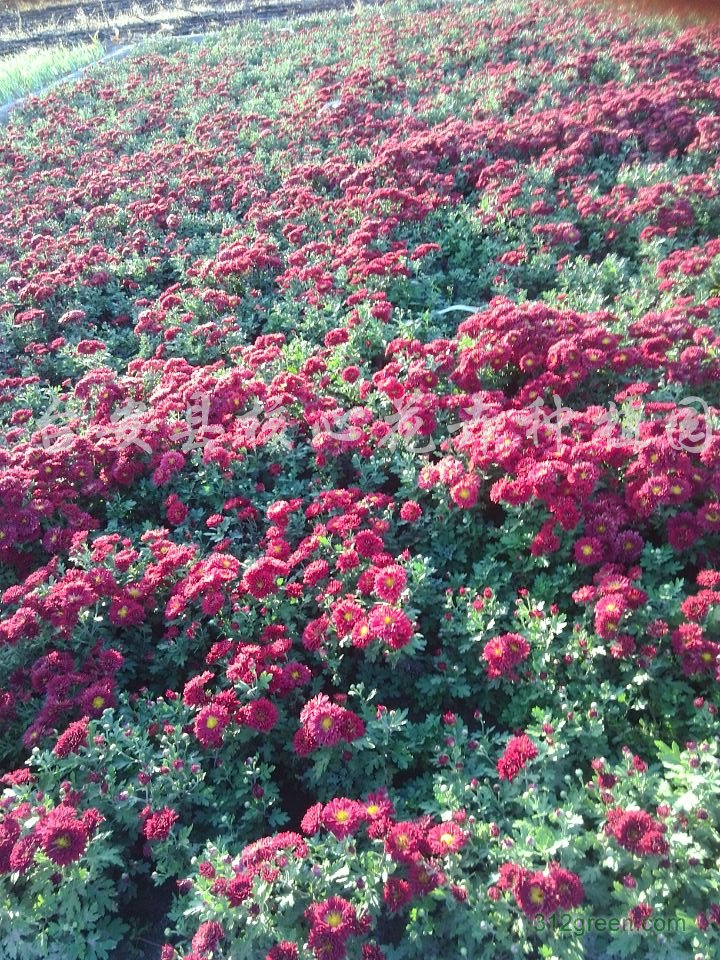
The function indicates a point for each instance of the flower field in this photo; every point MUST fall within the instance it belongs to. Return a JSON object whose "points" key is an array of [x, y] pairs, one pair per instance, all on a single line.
{"points": [[360, 494]]}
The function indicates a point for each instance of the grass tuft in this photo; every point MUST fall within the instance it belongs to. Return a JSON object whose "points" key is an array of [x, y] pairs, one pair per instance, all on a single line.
{"points": [[30, 71]]}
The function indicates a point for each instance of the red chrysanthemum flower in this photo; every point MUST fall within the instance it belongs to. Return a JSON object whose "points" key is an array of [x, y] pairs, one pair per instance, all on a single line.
{"points": [[371, 951], [608, 613], [334, 917], [637, 831], [312, 820], [210, 723], [390, 625], [517, 753], [261, 714], [315, 572], [410, 511], [535, 895], [158, 825], [194, 692], [23, 853], [345, 615], [389, 583], [342, 817], [446, 838], [568, 887], [423, 878], [74, 737], [285, 950], [239, 889], [62, 835], [175, 510], [322, 719], [326, 724], [15, 778], [368, 544], [402, 841], [303, 743], [294, 674], [97, 698], [510, 875], [502, 654], [125, 612], [379, 806], [9, 835], [208, 936], [588, 551], [464, 493], [361, 636], [260, 579], [639, 915], [325, 946], [396, 893]]}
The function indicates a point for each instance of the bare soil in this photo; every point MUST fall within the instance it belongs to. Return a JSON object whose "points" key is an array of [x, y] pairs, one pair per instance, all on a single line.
{"points": [[31, 23]]}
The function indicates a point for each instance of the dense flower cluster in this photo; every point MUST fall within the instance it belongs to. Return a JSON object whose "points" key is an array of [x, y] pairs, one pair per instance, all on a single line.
{"points": [[538, 893], [502, 654], [325, 724], [637, 831], [60, 833]]}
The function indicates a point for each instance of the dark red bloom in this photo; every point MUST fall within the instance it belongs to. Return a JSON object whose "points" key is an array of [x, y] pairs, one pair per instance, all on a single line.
{"points": [[517, 753], [158, 825], [62, 835]]}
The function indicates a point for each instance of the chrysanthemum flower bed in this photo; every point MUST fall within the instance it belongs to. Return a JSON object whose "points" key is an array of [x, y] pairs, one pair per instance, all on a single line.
{"points": [[360, 495]]}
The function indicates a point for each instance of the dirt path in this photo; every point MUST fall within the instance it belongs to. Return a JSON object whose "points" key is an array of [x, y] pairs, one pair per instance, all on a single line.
{"points": [[126, 21]]}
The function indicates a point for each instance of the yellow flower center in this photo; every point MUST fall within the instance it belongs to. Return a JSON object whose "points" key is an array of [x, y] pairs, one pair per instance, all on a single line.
{"points": [[211, 723], [326, 723], [537, 896], [333, 919], [448, 839], [63, 841], [98, 702]]}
